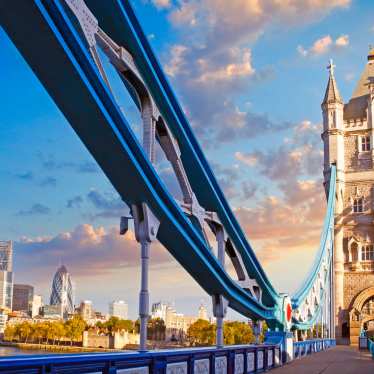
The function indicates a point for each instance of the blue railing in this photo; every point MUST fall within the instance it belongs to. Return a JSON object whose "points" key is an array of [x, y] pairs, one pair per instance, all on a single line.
{"points": [[233, 359], [307, 347]]}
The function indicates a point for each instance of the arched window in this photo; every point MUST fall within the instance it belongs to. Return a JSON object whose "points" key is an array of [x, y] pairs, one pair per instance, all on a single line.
{"points": [[354, 252], [358, 205], [367, 253]]}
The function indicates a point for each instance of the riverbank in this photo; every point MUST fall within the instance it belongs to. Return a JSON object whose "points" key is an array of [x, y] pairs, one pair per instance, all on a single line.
{"points": [[54, 347]]}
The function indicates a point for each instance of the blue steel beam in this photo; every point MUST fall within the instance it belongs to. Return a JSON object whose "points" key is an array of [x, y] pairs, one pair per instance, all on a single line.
{"points": [[326, 242], [118, 20], [44, 35]]}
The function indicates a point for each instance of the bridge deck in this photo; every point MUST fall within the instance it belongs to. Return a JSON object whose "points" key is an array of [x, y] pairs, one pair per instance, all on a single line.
{"points": [[340, 359]]}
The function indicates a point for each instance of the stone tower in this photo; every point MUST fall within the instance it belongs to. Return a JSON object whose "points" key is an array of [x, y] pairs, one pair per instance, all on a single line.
{"points": [[348, 142]]}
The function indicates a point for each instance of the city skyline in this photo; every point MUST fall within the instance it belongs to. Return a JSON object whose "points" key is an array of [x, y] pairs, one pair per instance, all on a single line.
{"points": [[74, 213]]}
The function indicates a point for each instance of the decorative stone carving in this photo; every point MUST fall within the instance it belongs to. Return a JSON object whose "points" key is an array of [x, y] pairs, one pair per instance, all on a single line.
{"points": [[176, 368], [270, 358], [250, 361], [260, 359], [220, 365], [239, 363], [201, 366], [139, 370]]}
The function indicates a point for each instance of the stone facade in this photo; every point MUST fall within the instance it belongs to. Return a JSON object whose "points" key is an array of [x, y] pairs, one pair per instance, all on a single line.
{"points": [[348, 131]]}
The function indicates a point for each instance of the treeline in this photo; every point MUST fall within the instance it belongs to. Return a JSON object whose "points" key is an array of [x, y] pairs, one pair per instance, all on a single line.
{"points": [[204, 333], [60, 332], [49, 332]]}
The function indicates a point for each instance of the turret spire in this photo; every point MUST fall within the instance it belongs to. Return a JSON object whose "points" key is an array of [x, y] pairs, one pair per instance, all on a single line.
{"points": [[332, 94]]}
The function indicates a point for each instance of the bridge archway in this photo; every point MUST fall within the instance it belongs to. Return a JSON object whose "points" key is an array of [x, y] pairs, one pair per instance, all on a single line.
{"points": [[361, 314]]}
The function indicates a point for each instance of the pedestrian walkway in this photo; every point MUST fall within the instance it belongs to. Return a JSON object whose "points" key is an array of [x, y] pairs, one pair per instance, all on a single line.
{"points": [[337, 360]]}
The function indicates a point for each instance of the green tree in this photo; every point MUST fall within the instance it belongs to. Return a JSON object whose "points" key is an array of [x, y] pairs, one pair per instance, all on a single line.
{"points": [[236, 332], [25, 330], [156, 329], [201, 332], [74, 328], [10, 333], [59, 330], [38, 333]]}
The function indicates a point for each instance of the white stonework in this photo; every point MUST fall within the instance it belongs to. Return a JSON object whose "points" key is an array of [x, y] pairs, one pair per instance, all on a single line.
{"points": [[250, 361], [220, 365], [201, 366], [239, 363], [177, 368], [270, 358], [140, 370], [348, 139], [260, 360]]}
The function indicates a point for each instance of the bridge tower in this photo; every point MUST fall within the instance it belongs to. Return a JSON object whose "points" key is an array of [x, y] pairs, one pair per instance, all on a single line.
{"points": [[348, 142]]}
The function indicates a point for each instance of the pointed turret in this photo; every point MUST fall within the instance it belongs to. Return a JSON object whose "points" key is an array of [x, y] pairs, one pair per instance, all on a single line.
{"points": [[332, 94], [333, 126]]}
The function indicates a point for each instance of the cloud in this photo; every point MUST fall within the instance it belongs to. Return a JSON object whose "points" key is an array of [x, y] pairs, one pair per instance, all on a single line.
{"points": [[323, 45], [27, 176], [249, 159], [161, 4], [285, 223], [49, 162], [240, 66], [107, 205], [342, 41], [249, 190], [86, 251], [48, 182], [74, 202], [212, 63], [36, 209]]}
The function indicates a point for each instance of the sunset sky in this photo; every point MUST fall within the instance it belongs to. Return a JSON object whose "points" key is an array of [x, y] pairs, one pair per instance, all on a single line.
{"points": [[251, 76]]}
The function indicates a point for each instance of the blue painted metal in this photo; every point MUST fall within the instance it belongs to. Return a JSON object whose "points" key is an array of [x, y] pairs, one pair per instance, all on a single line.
{"points": [[156, 361], [327, 239], [119, 21], [48, 41], [309, 347], [44, 34]]}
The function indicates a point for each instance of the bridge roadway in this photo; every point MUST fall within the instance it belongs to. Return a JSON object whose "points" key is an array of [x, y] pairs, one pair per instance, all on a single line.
{"points": [[338, 360]]}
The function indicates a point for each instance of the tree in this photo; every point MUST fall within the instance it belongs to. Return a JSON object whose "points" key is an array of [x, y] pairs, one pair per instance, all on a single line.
{"points": [[10, 333], [201, 332], [116, 324], [236, 332], [38, 333], [25, 330], [156, 329], [74, 328]]}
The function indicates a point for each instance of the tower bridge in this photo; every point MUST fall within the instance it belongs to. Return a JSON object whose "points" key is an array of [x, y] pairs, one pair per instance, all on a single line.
{"points": [[63, 41]]}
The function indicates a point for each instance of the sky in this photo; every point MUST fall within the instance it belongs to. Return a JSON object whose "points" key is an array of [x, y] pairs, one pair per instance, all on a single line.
{"points": [[250, 76]]}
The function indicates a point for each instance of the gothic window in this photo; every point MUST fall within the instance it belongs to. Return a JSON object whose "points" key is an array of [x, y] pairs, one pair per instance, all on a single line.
{"points": [[365, 143], [358, 205], [354, 252], [367, 253]]}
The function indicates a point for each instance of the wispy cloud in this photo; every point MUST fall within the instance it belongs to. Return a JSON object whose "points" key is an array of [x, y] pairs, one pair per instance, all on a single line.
{"points": [[36, 209], [86, 250], [324, 45]]}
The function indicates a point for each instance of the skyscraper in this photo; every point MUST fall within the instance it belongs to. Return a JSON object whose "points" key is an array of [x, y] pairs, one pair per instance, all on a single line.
{"points": [[37, 303], [6, 275], [118, 309], [22, 297], [63, 291], [86, 310]]}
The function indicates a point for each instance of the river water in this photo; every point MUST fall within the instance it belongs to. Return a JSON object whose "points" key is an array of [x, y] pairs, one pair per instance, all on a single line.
{"points": [[14, 351]]}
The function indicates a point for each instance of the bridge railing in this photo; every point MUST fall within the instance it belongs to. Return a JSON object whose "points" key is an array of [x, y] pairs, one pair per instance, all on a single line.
{"points": [[307, 347], [233, 359]]}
